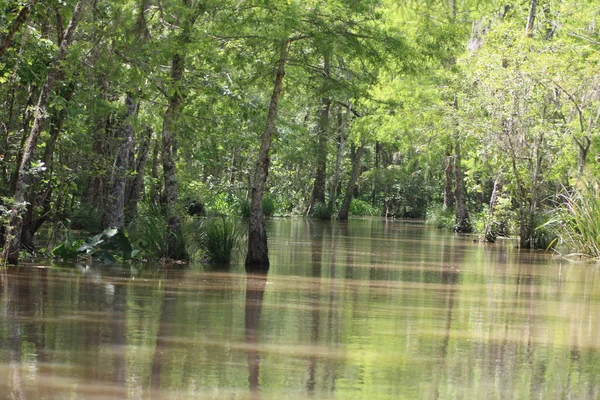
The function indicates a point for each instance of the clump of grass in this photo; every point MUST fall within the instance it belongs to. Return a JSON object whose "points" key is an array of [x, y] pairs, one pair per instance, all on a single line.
{"points": [[578, 220], [440, 217], [322, 211], [544, 234], [149, 231], [244, 206], [218, 238], [268, 207]]}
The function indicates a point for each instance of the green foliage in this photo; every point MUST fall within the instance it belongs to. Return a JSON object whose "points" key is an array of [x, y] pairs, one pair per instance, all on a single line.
{"points": [[149, 230], [504, 220], [268, 206], [322, 211], [85, 218], [363, 208], [544, 235], [218, 238], [577, 221], [440, 217], [244, 206], [106, 246]]}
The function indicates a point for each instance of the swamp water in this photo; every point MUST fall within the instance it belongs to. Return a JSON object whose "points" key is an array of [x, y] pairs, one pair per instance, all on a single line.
{"points": [[368, 309]]}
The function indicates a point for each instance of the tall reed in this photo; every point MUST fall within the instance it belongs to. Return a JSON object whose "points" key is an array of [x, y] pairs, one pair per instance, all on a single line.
{"points": [[578, 220]]}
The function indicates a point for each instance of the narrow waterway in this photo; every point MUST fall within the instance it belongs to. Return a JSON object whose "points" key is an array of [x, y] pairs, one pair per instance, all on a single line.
{"points": [[364, 309]]}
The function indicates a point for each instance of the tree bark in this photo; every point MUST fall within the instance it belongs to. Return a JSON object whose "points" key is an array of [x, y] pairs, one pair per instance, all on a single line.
{"points": [[12, 244], [448, 175], [531, 18], [137, 184], [114, 213], [42, 196], [345, 208], [257, 258], [335, 180], [318, 194], [175, 244], [489, 235], [463, 225]]}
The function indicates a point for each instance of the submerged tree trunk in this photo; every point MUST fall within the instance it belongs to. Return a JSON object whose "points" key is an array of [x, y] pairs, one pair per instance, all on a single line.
{"points": [[463, 225], [175, 244], [489, 234], [318, 194], [13, 236], [114, 214], [257, 258], [345, 208]]}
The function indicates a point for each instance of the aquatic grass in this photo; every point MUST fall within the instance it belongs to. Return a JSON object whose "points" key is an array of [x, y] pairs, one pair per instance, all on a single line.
{"points": [[218, 238], [149, 231], [440, 217], [268, 206], [577, 221], [322, 211], [544, 234]]}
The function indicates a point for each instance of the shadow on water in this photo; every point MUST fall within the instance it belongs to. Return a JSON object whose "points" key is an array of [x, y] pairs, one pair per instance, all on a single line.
{"points": [[165, 329], [255, 291]]}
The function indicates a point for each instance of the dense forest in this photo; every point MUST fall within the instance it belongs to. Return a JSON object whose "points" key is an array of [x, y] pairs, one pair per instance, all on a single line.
{"points": [[481, 116]]}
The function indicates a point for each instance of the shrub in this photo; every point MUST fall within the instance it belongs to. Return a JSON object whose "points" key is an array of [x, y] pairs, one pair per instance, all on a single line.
{"points": [[268, 206], [149, 230], [322, 211], [363, 208], [86, 218], [440, 217]]}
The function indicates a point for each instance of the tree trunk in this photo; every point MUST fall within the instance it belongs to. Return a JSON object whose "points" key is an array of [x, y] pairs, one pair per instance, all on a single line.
{"points": [[20, 20], [489, 234], [345, 209], [175, 244], [448, 194], [114, 213], [156, 188], [137, 184], [318, 194], [335, 180], [584, 147], [25, 121], [42, 196], [257, 258], [531, 18], [463, 225], [13, 237]]}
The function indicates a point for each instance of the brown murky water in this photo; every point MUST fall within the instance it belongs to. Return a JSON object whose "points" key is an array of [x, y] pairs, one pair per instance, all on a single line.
{"points": [[368, 309]]}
